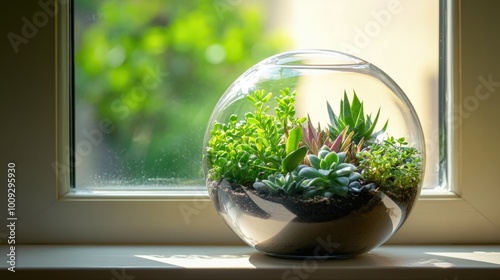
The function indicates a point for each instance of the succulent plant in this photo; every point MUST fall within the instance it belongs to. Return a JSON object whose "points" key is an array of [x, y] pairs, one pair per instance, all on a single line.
{"points": [[353, 118], [314, 138], [328, 174], [290, 184], [344, 143]]}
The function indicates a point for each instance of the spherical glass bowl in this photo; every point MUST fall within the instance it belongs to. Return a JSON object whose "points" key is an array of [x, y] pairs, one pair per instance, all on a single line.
{"points": [[314, 154]]}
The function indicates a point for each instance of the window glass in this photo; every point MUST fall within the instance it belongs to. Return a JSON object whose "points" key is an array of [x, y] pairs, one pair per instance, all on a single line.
{"points": [[148, 73]]}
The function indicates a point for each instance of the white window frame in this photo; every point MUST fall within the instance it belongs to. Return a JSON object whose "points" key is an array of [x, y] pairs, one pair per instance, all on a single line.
{"points": [[51, 213]]}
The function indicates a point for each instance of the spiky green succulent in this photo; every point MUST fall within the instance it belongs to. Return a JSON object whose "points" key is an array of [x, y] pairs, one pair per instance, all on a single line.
{"points": [[353, 118]]}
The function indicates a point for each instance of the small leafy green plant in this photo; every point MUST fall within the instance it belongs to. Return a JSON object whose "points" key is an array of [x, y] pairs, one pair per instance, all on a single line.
{"points": [[391, 164], [256, 147]]}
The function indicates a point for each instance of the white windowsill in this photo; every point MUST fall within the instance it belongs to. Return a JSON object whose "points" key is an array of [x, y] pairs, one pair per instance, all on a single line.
{"points": [[241, 262], [186, 192]]}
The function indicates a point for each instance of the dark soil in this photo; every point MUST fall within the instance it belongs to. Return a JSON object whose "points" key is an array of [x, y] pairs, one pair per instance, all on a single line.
{"points": [[321, 209], [347, 225], [316, 209]]}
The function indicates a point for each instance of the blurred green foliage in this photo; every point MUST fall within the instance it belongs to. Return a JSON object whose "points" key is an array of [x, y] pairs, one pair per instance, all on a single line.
{"points": [[155, 69]]}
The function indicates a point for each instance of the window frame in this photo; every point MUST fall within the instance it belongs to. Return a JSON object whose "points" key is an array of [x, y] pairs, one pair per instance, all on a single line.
{"points": [[55, 214]]}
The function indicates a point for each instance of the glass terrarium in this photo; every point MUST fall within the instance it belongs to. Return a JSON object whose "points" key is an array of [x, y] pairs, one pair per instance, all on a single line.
{"points": [[314, 154]]}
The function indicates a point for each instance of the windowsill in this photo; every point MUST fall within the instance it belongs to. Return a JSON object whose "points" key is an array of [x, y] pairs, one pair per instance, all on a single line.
{"points": [[186, 192], [242, 262]]}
